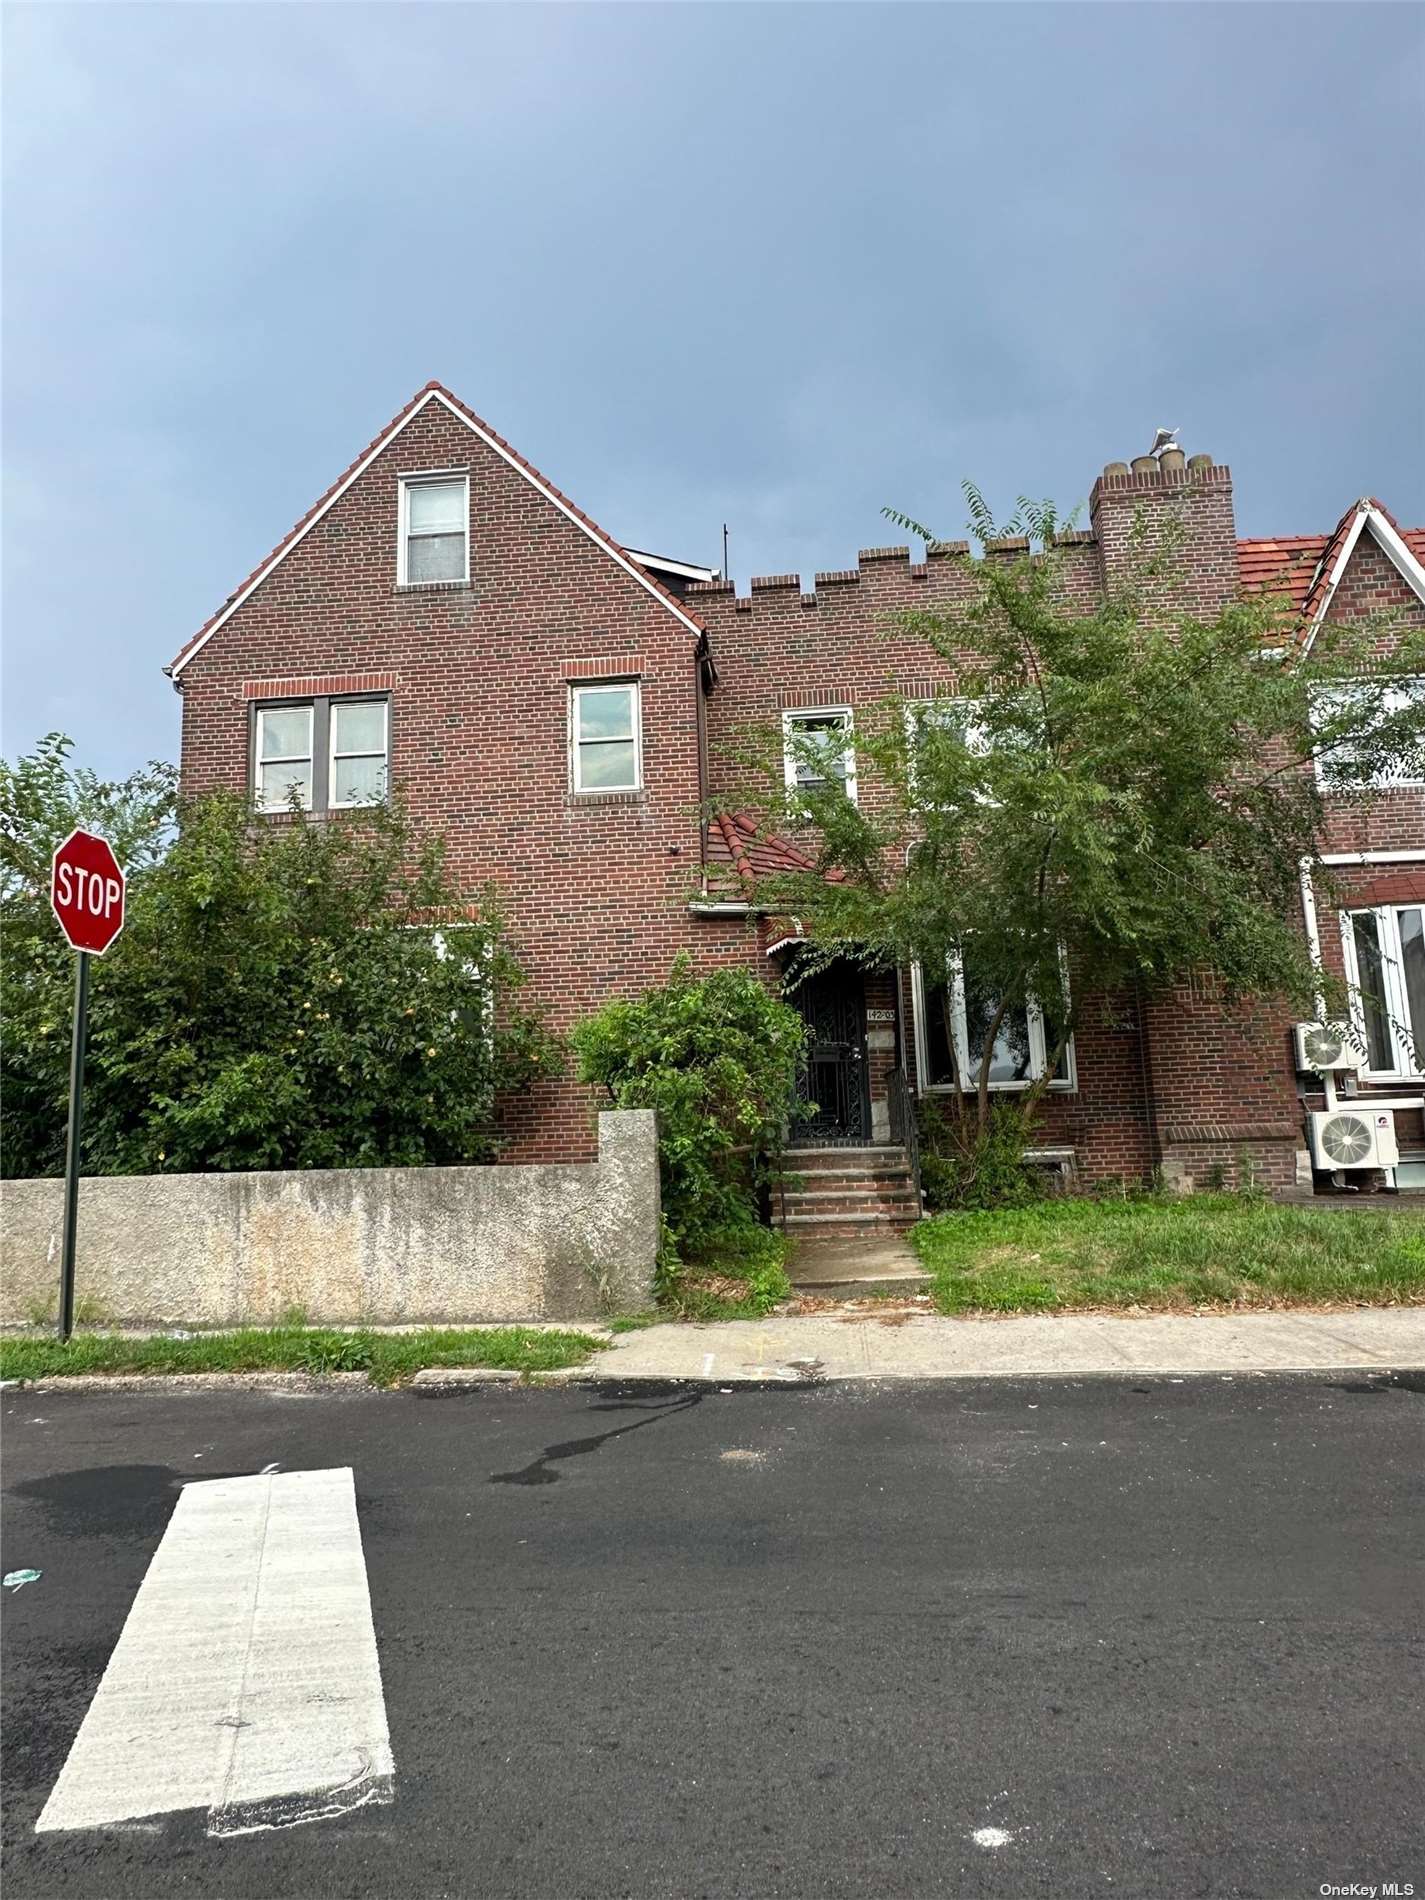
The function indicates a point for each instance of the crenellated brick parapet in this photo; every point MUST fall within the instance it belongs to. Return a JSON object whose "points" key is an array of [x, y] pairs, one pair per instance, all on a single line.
{"points": [[888, 579]]}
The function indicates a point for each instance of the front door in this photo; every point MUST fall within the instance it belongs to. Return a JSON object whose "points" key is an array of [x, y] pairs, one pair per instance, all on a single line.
{"points": [[833, 1074]]}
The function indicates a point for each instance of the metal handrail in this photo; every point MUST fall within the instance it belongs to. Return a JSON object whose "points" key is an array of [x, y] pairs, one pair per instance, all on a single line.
{"points": [[904, 1127]]}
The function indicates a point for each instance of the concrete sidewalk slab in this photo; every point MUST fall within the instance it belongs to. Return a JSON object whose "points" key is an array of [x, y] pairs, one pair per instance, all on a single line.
{"points": [[927, 1346], [842, 1268]]}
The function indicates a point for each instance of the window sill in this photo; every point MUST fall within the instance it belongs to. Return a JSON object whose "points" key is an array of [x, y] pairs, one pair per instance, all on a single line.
{"points": [[639, 797], [433, 587], [1001, 1088], [312, 813]]}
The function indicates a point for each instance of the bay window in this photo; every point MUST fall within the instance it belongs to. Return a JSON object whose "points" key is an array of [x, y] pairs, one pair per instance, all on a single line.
{"points": [[953, 1015], [1385, 969]]}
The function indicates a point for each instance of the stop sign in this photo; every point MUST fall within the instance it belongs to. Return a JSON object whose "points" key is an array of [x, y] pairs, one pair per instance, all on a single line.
{"points": [[86, 891]]}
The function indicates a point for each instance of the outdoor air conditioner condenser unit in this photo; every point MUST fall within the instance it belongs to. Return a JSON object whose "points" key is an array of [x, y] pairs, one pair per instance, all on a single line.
{"points": [[1355, 1137], [1323, 1046]]}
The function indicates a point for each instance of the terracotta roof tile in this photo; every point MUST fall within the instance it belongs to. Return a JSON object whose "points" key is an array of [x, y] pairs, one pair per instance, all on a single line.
{"points": [[1299, 565], [734, 840]]}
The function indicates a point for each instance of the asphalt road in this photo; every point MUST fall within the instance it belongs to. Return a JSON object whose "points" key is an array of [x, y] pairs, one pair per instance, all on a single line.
{"points": [[1165, 1637]]}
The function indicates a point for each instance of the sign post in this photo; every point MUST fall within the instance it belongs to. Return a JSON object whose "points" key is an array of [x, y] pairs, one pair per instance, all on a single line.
{"points": [[87, 890]]}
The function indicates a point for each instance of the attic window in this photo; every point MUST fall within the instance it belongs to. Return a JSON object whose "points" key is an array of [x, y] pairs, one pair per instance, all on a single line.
{"points": [[435, 530]]}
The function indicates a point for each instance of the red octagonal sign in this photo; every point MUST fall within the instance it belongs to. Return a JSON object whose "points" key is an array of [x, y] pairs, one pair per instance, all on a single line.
{"points": [[86, 891]]}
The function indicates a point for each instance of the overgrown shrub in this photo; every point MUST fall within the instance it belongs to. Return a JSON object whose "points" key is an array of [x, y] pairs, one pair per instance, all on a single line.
{"points": [[290, 993], [716, 1056], [966, 1165]]}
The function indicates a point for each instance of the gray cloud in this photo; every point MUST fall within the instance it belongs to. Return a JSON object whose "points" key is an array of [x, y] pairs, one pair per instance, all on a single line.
{"points": [[775, 266]]}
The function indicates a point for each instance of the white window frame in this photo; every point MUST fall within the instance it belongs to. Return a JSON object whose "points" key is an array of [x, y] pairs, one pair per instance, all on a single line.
{"points": [[1395, 1001], [977, 742], [309, 757], [795, 715], [1396, 699], [427, 480], [576, 691], [1066, 1084], [356, 804]]}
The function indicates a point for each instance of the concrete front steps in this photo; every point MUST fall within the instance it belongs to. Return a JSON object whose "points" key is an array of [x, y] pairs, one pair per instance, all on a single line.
{"points": [[846, 1194]]}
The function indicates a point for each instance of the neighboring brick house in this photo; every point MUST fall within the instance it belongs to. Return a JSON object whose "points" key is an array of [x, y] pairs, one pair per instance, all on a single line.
{"points": [[557, 704]]}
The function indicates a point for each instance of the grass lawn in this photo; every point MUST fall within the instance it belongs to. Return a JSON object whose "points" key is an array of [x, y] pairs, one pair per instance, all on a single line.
{"points": [[1203, 1250], [741, 1275], [386, 1358]]}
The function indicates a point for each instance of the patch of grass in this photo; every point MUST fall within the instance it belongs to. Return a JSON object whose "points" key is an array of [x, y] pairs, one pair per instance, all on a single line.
{"points": [[386, 1358], [635, 1322], [741, 1276], [1165, 1252]]}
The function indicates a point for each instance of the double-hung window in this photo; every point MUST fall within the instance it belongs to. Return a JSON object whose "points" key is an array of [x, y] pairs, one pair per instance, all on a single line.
{"points": [[926, 719], [284, 757], [327, 754], [1385, 968], [1337, 765], [953, 1015], [816, 748], [605, 737], [434, 530]]}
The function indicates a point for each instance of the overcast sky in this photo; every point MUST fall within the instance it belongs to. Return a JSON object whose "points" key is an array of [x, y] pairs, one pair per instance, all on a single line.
{"points": [[774, 266]]}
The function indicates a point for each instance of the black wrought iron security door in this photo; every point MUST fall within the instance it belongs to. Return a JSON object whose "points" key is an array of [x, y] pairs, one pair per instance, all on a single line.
{"points": [[833, 1075]]}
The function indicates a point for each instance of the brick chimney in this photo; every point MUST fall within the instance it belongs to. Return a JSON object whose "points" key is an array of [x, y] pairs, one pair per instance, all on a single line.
{"points": [[1172, 511]]}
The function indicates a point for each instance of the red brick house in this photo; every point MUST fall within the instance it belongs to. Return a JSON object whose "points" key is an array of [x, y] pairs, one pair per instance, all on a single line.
{"points": [[557, 704]]}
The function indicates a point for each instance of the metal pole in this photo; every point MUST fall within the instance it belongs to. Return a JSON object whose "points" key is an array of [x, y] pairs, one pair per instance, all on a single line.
{"points": [[71, 1147]]}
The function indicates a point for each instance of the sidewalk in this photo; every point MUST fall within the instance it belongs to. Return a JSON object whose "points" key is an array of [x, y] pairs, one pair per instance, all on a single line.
{"points": [[925, 1346]]}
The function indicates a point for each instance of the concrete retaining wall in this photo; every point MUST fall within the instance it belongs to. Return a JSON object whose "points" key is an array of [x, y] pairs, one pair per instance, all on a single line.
{"points": [[383, 1245]]}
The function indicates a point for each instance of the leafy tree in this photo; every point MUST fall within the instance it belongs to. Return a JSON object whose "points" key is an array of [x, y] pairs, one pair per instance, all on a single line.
{"points": [[1123, 794], [44, 796], [716, 1056], [296, 993]]}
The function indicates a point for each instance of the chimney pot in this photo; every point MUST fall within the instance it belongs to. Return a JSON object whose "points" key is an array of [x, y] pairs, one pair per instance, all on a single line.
{"points": [[1173, 459], [1144, 465], [1200, 461], [1115, 468]]}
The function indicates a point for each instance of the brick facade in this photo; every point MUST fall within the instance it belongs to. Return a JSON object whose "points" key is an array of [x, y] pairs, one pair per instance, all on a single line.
{"points": [[597, 888]]}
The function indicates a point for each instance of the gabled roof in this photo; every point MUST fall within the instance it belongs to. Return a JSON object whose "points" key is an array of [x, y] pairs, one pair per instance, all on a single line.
{"points": [[1307, 568], [437, 393]]}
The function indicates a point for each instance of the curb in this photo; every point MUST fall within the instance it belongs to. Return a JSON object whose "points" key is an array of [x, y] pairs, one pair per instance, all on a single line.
{"points": [[447, 1378], [119, 1382], [767, 1377]]}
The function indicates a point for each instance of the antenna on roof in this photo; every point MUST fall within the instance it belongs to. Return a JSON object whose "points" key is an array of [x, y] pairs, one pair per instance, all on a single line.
{"points": [[724, 550], [1165, 439]]}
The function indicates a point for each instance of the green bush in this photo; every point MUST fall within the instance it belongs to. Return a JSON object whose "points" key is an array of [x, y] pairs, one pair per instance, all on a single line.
{"points": [[287, 993], [966, 1165], [716, 1056]]}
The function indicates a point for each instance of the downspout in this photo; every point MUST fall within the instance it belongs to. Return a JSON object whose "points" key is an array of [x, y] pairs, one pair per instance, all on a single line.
{"points": [[1313, 934], [1145, 1073]]}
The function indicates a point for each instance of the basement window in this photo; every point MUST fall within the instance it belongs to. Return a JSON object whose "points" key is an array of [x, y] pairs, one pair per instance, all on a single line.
{"points": [[435, 530]]}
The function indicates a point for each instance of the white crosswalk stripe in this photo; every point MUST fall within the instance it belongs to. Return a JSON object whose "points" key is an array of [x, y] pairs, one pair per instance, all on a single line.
{"points": [[246, 1679]]}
